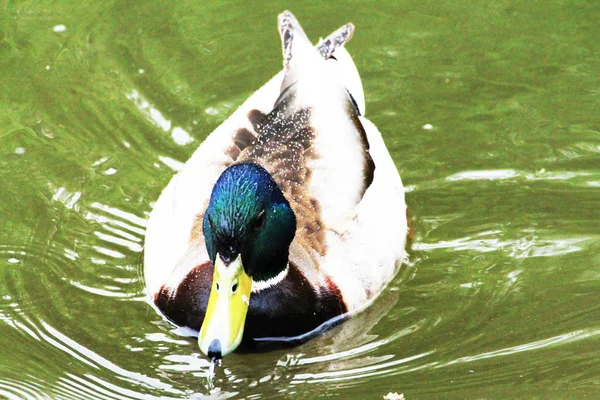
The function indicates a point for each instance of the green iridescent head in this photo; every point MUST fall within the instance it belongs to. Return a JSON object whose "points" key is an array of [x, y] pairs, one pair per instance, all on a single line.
{"points": [[249, 216]]}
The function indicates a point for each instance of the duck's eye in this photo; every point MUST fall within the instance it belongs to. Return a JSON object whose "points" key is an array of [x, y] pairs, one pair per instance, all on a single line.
{"points": [[234, 288], [217, 286], [259, 223]]}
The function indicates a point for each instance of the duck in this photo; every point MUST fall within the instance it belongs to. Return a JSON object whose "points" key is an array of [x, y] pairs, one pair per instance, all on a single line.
{"points": [[291, 214]]}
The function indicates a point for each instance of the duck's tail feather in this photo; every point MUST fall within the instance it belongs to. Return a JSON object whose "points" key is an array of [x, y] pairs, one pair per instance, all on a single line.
{"points": [[336, 40], [289, 28], [299, 55], [301, 58]]}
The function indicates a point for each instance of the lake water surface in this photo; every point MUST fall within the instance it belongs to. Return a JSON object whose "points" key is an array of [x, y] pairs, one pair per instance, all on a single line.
{"points": [[490, 111]]}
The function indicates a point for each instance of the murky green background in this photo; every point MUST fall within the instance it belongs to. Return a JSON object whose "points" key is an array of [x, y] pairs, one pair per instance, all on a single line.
{"points": [[100, 102]]}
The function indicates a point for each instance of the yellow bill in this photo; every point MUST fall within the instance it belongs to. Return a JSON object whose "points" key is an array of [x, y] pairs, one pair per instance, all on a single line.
{"points": [[223, 325]]}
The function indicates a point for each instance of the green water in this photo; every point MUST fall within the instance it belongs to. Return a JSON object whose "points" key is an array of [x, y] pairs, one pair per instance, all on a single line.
{"points": [[501, 295]]}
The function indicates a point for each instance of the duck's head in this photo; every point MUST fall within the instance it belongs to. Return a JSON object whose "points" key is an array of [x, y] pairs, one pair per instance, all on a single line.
{"points": [[248, 227]]}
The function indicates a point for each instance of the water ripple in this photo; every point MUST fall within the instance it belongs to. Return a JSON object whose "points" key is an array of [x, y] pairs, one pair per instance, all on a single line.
{"points": [[13, 389], [380, 367], [525, 247], [565, 338]]}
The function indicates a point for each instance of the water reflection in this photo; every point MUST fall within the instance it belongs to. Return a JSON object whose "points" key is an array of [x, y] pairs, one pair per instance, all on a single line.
{"points": [[152, 114]]}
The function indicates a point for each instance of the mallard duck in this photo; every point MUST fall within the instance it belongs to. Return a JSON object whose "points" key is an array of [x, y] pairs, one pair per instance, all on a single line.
{"points": [[290, 214]]}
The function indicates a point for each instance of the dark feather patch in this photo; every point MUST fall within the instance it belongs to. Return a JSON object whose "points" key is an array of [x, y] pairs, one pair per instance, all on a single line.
{"points": [[186, 304], [243, 138], [291, 307], [368, 164], [256, 118]]}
